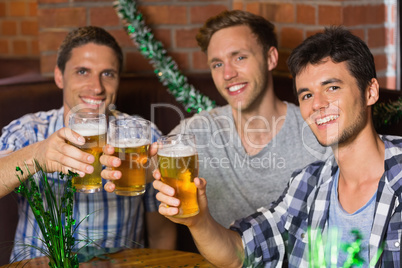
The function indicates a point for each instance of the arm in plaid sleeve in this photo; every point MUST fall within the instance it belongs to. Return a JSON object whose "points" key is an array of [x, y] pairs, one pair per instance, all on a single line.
{"points": [[28, 140], [262, 240], [14, 137]]}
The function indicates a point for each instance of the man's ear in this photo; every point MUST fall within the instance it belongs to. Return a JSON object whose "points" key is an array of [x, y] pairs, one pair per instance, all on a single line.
{"points": [[373, 92], [58, 77], [272, 58]]}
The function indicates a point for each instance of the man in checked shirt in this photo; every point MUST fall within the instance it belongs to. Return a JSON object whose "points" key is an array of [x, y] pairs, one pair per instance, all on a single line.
{"points": [[359, 187], [89, 63]]}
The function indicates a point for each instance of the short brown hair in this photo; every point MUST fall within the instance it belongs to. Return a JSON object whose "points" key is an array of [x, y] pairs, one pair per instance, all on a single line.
{"points": [[262, 28], [340, 45], [85, 35]]}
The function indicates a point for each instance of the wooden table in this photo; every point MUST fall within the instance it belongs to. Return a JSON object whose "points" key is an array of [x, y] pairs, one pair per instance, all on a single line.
{"points": [[132, 258]]}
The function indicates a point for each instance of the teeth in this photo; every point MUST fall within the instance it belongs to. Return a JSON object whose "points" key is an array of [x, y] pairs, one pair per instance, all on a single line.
{"points": [[92, 101], [326, 119], [235, 88]]}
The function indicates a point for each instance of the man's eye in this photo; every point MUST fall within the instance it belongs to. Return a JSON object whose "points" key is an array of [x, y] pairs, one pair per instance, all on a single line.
{"points": [[241, 58], [217, 65], [108, 74], [306, 96], [332, 88], [82, 72]]}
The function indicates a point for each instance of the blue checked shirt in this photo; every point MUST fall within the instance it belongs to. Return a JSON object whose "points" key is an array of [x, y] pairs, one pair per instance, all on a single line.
{"points": [[114, 221], [271, 233]]}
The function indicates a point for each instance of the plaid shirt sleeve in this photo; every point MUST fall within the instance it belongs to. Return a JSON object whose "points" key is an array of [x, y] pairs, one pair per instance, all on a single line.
{"points": [[16, 135], [262, 241], [29, 129]]}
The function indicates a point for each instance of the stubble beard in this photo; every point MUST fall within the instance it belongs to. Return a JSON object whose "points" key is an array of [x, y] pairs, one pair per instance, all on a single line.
{"points": [[351, 131]]}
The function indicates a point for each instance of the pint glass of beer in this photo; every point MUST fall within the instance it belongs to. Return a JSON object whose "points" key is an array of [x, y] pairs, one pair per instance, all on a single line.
{"points": [[130, 138], [178, 165], [93, 127]]}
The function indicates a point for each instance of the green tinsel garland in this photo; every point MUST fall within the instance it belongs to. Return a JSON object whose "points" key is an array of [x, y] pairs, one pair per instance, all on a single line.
{"points": [[164, 66]]}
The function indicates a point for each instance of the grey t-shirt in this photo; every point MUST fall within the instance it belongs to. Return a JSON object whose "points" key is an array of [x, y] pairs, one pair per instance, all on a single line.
{"points": [[239, 184]]}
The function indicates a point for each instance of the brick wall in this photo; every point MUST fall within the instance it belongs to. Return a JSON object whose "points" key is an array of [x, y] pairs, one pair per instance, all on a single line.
{"points": [[18, 29], [372, 20], [175, 22]]}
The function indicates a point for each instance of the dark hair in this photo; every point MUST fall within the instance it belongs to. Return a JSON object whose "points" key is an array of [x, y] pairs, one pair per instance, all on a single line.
{"points": [[263, 29], [82, 36], [340, 45]]}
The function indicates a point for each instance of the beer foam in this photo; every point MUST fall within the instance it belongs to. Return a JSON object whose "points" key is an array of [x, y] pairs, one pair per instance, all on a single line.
{"points": [[178, 150], [130, 143], [89, 129]]}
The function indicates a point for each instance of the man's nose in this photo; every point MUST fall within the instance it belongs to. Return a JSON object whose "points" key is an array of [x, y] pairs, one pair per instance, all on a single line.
{"points": [[96, 84], [229, 72], [320, 102]]}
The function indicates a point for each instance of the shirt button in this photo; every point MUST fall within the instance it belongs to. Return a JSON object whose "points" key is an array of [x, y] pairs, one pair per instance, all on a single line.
{"points": [[397, 244], [303, 235]]}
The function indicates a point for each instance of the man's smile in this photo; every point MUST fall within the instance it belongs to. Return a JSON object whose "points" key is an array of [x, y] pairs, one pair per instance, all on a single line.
{"points": [[92, 101], [236, 89], [326, 119]]}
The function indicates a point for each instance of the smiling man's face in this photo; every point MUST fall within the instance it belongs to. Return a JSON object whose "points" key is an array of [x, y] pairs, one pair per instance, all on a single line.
{"points": [[331, 102], [90, 79], [238, 66]]}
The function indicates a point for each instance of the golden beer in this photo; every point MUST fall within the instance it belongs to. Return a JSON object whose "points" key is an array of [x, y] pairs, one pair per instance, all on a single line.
{"points": [[178, 166], [95, 139], [134, 164]]}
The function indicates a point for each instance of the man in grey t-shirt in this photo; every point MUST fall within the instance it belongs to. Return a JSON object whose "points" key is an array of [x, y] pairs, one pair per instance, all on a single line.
{"points": [[249, 148]]}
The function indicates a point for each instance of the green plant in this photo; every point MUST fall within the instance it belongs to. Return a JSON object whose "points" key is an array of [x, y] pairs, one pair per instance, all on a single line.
{"points": [[53, 213], [319, 245], [387, 113]]}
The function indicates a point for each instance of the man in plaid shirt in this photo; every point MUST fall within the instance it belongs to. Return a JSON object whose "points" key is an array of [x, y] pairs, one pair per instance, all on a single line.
{"points": [[89, 63], [359, 187]]}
